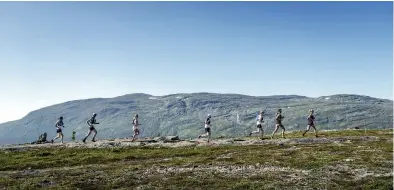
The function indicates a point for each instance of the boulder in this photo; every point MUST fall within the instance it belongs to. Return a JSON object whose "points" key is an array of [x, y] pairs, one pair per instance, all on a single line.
{"points": [[173, 138], [168, 139]]}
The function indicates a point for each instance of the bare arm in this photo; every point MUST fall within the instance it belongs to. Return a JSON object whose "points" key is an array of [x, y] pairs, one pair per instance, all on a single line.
{"points": [[57, 124]]}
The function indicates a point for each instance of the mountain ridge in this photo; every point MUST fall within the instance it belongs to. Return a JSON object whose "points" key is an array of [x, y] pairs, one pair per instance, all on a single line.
{"points": [[182, 114]]}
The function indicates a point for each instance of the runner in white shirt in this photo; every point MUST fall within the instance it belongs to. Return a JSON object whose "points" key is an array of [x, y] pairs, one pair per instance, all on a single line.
{"points": [[260, 121], [135, 127], [207, 124]]}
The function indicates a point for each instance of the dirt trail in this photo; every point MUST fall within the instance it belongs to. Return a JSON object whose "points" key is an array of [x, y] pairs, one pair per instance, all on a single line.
{"points": [[188, 143]]}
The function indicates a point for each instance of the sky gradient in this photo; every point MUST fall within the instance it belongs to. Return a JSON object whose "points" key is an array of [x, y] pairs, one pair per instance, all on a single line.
{"points": [[51, 52]]}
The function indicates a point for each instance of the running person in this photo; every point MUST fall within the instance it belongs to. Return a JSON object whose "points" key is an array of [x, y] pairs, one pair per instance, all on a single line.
{"points": [[260, 121], [59, 124], [311, 123], [135, 127], [279, 118], [207, 124], [91, 122]]}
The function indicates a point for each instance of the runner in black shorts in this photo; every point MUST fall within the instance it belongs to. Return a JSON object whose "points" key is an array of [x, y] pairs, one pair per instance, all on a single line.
{"points": [[260, 121], [59, 124], [91, 122], [279, 118], [311, 123], [207, 124]]}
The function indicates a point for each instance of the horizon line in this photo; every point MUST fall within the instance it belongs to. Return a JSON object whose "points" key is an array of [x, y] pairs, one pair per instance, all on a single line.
{"points": [[191, 93]]}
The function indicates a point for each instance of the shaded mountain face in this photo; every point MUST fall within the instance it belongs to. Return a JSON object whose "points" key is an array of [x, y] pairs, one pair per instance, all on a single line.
{"points": [[184, 114]]}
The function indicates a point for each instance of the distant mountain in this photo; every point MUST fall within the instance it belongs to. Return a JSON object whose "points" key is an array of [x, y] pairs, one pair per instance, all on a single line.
{"points": [[183, 115]]}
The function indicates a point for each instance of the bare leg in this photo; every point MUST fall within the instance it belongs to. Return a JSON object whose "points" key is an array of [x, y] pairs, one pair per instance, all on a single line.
{"points": [[90, 131], [259, 130], [283, 131], [309, 127], [254, 132], [62, 138], [94, 136], [314, 128], [276, 129], [207, 134], [136, 132], [58, 135]]}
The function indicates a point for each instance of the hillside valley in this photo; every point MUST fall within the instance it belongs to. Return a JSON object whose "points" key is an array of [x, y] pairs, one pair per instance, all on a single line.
{"points": [[183, 115]]}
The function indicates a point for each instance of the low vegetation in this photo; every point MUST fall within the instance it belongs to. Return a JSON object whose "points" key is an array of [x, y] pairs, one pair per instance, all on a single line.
{"points": [[354, 163], [184, 115]]}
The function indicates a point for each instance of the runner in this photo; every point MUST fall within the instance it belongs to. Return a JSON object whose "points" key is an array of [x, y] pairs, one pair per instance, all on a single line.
{"points": [[311, 123], [59, 124], [135, 127], [279, 118], [207, 128], [260, 121], [91, 122]]}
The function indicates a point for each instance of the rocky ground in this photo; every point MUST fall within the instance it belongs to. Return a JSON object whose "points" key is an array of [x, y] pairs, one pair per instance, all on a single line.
{"points": [[175, 141], [348, 159]]}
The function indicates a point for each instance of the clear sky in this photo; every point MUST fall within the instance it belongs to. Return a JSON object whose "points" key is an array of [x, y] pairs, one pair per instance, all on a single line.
{"points": [[51, 52]]}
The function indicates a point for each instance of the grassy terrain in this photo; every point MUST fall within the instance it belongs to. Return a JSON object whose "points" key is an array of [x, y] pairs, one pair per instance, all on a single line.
{"points": [[184, 114], [353, 164]]}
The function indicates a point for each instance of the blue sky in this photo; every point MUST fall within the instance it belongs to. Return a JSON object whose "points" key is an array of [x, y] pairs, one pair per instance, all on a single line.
{"points": [[51, 52]]}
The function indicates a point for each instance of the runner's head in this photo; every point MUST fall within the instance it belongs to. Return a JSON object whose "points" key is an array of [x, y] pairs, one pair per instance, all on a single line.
{"points": [[261, 112], [94, 114], [311, 111], [209, 116], [136, 115], [61, 117], [280, 110]]}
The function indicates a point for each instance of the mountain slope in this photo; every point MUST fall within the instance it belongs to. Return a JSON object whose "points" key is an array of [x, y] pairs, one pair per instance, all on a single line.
{"points": [[183, 115]]}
